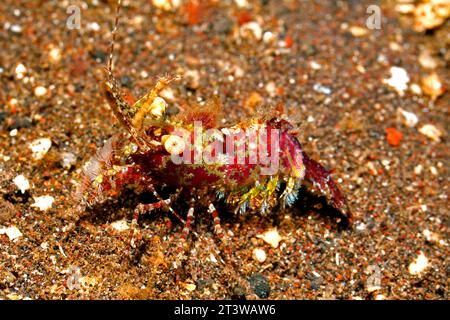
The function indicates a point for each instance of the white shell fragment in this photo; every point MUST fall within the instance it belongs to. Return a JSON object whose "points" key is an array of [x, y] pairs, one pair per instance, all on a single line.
{"points": [[253, 28], [120, 225], [242, 3], [20, 71], [322, 89], [43, 203], [94, 26], [269, 37], [399, 80], [418, 265], [22, 183], [12, 232], [409, 119], [431, 132], [418, 169], [167, 5], [271, 237], [40, 147], [13, 133]]}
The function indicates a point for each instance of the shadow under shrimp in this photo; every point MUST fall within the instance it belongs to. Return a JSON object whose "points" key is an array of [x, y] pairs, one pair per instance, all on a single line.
{"points": [[116, 208], [320, 207]]}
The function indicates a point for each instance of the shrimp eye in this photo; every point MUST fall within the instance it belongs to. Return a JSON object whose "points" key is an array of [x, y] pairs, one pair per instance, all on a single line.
{"points": [[173, 144]]}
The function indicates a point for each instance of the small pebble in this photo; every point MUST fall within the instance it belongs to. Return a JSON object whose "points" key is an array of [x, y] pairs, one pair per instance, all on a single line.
{"points": [[259, 255], [40, 91], [361, 68], [251, 29], [315, 66], [433, 171], [271, 88], [68, 160], [20, 71], [416, 89], [238, 72], [432, 237], [404, 8], [360, 226], [260, 285], [13, 133], [394, 46], [94, 26], [432, 86], [16, 28], [418, 169], [357, 31], [426, 60], [322, 89], [268, 37], [54, 55], [190, 286], [212, 258], [22, 183], [167, 5], [12, 103], [144, 74]]}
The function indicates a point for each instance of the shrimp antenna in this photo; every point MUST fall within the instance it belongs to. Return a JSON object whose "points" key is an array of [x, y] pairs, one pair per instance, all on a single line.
{"points": [[113, 40]]}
